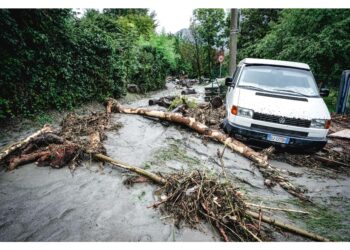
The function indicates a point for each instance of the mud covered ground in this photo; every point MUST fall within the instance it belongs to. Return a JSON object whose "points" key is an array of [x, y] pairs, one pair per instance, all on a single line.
{"points": [[93, 204]]}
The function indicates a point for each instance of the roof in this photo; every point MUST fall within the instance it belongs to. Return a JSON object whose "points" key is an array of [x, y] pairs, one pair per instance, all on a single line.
{"points": [[274, 62]]}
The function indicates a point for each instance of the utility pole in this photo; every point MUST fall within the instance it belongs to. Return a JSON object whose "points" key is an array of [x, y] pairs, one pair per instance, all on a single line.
{"points": [[233, 41]]}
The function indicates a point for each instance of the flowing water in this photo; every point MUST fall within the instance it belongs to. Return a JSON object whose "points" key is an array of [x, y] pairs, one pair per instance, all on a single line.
{"points": [[93, 204]]}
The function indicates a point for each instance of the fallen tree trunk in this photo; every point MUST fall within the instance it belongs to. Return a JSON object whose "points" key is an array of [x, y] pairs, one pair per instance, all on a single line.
{"points": [[11, 148], [61, 154], [56, 156], [260, 159], [28, 158], [190, 122]]}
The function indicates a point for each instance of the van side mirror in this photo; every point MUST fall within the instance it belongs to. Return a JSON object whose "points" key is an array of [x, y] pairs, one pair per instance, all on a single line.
{"points": [[324, 92], [229, 82]]}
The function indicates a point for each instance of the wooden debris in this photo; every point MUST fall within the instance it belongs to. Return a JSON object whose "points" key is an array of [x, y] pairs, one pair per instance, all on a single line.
{"points": [[189, 197], [163, 101], [330, 161], [6, 151], [267, 170], [343, 134], [216, 102], [190, 122], [157, 179], [275, 208], [188, 92], [56, 156], [287, 227]]}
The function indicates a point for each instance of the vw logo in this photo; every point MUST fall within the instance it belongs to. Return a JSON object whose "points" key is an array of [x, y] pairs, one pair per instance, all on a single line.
{"points": [[282, 120]]}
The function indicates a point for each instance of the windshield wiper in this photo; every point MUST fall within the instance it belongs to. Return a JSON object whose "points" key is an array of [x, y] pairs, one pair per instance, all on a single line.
{"points": [[253, 88], [291, 91]]}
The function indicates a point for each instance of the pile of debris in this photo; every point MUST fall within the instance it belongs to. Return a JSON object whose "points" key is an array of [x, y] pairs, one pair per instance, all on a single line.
{"points": [[335, 155], [190, 197], [183, 81], [206, 114], [79, 135], [199, 196]]}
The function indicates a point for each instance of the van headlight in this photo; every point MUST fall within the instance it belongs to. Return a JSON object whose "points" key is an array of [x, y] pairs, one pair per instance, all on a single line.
{"points": [[320, 123], [245, 112]]}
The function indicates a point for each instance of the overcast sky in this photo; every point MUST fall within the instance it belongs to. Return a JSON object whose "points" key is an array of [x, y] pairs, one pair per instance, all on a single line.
{"points": [[173, 20]]}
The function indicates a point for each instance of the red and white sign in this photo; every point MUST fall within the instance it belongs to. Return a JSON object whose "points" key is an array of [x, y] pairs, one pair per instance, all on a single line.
{"points": [[221, 58]]}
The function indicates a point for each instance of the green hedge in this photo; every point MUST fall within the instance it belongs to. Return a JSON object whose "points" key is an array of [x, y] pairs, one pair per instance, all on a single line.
{"points": [[51, 60]]}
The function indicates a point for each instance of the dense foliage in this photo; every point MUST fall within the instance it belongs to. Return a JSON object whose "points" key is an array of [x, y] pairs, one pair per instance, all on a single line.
{"points": [[198, 46], [49, 59], [318, 37]]}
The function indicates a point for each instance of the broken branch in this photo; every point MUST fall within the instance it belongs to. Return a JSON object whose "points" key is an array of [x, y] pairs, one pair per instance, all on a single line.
{"points": [[260, 159], [275, 208], [286, 226], [157, 179], [11, 148]]}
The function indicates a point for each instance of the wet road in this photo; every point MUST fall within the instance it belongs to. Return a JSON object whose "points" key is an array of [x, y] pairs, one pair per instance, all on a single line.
{"points": [[93, 204]]}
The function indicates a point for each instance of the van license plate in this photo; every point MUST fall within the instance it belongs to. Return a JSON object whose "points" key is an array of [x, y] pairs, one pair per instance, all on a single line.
{"points": [[279, 139]]}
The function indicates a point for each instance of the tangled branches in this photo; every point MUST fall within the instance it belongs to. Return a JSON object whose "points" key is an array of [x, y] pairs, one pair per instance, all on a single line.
{"points": [[195, 196]]}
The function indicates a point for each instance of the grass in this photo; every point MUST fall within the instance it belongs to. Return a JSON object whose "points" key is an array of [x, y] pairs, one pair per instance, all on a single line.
{"points": [[331, 100], [325, 220], [179, 100], [43, 118], [175, 152]]}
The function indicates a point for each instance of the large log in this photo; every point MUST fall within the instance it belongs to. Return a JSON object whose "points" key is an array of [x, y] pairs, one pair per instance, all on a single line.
{"points": [[260, 159], [13, 147], [201, 128]]}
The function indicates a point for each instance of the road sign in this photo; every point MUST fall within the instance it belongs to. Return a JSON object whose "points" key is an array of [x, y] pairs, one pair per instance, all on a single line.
{"points": [[221, 58]]}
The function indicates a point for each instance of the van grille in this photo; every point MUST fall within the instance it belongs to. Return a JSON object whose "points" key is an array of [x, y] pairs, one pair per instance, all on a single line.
{"points": [[279, 131], [282, 120]]}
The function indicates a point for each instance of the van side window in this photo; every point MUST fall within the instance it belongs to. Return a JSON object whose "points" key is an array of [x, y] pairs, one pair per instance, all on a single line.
{"points": [[235, 75]]}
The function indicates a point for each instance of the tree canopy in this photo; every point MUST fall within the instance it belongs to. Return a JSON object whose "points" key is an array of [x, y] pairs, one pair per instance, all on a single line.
{"points": [[318, 37], [50, 59]]}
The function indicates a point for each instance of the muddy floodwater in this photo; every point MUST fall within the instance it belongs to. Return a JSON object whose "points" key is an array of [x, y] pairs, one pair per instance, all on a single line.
{"points": [[93, 204]]}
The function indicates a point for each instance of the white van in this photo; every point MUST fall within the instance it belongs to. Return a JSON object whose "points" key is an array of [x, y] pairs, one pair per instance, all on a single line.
{"points": [[277, 102]]}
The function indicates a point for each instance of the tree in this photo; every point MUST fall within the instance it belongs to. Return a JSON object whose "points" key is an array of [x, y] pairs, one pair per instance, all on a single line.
{"points": [[125, 12], [254, 25], [233, 41], [197, 43], [210, 24], [318, 37]]}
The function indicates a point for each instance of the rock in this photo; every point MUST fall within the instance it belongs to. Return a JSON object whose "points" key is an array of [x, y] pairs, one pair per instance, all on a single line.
{"points": [[188, 92], [338, 149], [133, 88], [268, 183], [216, 102]]}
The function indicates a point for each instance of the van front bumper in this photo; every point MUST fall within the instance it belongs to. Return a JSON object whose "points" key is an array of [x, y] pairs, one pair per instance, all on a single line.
{"points": [[260, 135]]}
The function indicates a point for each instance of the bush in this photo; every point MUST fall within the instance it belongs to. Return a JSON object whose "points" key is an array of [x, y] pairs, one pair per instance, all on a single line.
{"points": [[50, 60], [156, 59], [152, 69]]}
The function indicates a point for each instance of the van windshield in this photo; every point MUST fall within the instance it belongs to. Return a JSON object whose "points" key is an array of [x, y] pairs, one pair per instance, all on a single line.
{"points": [[285, 80]]}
